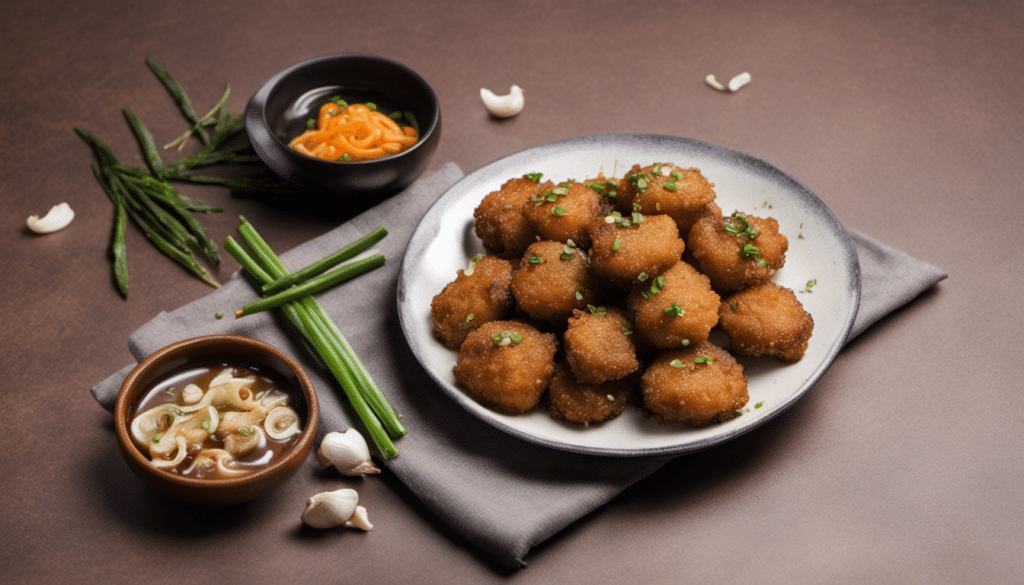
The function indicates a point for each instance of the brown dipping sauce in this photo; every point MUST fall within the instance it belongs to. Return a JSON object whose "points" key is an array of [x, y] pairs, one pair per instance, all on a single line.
{"points": [[267, 383]]}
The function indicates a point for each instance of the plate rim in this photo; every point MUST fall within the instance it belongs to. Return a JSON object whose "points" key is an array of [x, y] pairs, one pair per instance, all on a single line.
{"points": [[412, 255]]}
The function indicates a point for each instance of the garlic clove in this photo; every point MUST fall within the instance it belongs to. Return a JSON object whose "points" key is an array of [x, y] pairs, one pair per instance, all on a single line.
{"points": [[57, 218], [359, 520], [739, 81], [347, 452], [734, 84], [337, 508], [503, 106], [713, 82]]}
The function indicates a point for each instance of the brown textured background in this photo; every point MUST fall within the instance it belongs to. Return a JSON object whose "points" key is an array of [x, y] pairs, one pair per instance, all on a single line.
{"points": [[902, 465]]}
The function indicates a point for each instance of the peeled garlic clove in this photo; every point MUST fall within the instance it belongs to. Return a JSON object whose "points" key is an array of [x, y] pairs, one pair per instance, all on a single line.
{"points": [[57, 218], [282, 422], [359, 520], [337, 508], [739, 81], [713, 82], [347, 452], [503, 106]]}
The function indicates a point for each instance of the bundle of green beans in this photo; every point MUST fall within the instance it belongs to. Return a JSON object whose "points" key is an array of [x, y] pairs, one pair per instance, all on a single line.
{"points": [[146, 196], [320, 333]]}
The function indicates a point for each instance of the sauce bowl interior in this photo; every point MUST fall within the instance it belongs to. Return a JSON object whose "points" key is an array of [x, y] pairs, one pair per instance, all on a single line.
{"points": [[201, 350]]}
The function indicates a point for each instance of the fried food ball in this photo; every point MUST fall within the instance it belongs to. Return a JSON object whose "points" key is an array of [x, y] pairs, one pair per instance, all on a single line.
{"points": [[599, 345], [552, 280], [665, 188], [472, 299], [737, 251], [507, 365], [698, 386], [623, 249], [607, 189], [582, 404], [564, 212], [675, 309], [499, 221], [685, 221], [766, 320]]}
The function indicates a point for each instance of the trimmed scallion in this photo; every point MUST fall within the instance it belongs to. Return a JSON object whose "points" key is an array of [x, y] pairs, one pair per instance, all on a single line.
{"points": [[331, 348], [348, 252], [315, 285]]}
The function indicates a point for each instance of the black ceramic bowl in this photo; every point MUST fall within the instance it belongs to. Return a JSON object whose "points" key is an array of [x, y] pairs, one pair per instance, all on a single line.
{"points": [[279, 110]]}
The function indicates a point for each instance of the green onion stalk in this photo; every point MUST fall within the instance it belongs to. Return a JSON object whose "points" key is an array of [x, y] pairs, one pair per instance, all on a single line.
{"points": [[305, 313]]}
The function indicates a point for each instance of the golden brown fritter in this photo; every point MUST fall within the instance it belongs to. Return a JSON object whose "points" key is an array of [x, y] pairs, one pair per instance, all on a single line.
{"points": [[685, 221], [564, 212], [582, 404], [664, 188], [599, 345], [552, 280], [607, 189], [500, 224], [674, 309], [766, 320], [697, 386], [737, 251], [623, 249], [507, 365], [472, 300]]}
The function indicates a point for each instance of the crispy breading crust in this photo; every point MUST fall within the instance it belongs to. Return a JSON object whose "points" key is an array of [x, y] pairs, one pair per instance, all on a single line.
{"points": [[486, 295], [766, 320], [599, 347], [509, 378], [677, 389]]}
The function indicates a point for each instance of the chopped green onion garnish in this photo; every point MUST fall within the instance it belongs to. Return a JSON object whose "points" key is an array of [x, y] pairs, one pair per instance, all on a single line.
{"points": [[674, 310]]}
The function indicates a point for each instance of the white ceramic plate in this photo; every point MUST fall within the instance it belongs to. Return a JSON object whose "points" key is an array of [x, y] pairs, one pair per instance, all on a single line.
{"points": [[819, 249]]}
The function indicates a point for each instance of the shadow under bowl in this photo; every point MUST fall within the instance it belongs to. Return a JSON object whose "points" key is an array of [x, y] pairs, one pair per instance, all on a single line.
{"points": [[221, 349], [279, 110]]}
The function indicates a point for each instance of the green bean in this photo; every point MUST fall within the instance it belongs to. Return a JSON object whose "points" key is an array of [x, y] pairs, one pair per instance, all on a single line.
{"points": [[146, 144], [178, 95], [350, 251], [118, 248], [207, 120]]}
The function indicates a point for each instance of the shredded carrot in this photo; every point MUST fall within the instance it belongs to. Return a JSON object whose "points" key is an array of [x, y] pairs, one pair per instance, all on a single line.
{"points": [[354, 133]]}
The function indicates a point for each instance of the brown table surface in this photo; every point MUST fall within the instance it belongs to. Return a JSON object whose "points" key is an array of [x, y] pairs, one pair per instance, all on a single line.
{"points": [[902, 465]]}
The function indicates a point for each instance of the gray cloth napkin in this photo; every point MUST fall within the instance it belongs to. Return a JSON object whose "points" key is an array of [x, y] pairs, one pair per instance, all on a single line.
{"points": [[502, 494]]}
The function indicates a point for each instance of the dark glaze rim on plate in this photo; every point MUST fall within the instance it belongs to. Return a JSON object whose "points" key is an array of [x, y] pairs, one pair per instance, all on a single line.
{"points": [[832, 321]]}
